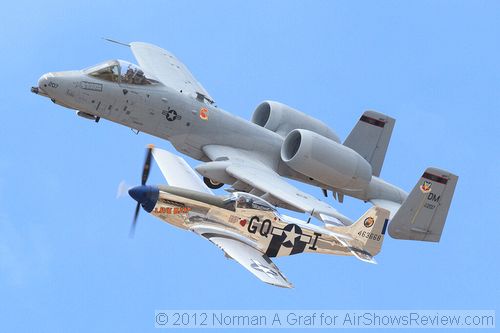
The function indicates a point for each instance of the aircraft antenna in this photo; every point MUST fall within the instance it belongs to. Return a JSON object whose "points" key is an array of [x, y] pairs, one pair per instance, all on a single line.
{"points": [[310, 216], [116, 42]]}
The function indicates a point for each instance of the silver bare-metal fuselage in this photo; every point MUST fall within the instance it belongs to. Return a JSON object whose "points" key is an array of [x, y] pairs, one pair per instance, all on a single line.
{"points": [[176, 116], [262, 228]]}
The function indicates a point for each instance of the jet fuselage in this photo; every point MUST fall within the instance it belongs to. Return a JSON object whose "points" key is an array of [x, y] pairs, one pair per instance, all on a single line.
{"points": [[188, 122]]}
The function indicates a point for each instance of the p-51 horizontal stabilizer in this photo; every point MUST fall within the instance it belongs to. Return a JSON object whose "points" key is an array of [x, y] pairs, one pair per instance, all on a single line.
{"points": [[423, 214]]}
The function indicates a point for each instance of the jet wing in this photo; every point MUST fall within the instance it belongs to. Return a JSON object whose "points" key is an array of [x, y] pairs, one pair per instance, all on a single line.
{"points": [[241, 250], [167, 69], [263, 178]]}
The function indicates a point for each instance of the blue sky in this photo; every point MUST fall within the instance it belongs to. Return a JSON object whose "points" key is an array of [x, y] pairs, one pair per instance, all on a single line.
{"points": [[66, 262]]}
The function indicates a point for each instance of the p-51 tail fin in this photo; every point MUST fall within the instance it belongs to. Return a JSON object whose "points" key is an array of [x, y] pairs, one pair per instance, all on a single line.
{"points": [[365, 236], [370, 138], [423, 214], [369, 230]]}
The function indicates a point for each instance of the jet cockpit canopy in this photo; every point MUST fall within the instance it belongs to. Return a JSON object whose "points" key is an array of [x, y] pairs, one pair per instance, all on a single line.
{"points": [[120, 71]]}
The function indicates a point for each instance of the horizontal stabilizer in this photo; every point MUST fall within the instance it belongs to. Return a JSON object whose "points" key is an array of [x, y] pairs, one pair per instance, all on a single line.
{"points": [[370, 138], [423, 214]]}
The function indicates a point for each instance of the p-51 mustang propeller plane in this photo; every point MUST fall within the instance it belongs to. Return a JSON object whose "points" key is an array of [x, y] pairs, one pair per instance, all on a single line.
{"points": [[162, 98]]}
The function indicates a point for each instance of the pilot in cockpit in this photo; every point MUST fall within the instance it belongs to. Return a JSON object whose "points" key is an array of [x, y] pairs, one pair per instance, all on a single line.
{"points": [[129, 75], [139, 78]]}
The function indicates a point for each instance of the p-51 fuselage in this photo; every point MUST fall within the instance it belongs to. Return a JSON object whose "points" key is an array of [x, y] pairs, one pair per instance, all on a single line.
{"points": [[247, 217]]}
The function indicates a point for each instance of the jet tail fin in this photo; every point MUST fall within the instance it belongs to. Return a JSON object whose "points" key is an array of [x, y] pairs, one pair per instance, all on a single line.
{"points": [[423, 214], [370, 138]]}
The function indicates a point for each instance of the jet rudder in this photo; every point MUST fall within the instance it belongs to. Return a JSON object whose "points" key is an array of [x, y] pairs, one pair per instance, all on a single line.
{"points": [[423, 214], [370, 138]]}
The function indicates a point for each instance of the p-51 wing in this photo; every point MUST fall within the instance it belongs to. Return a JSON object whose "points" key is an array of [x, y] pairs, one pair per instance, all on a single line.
{"points": [[177, 172], [239, 249], [167, 69]]}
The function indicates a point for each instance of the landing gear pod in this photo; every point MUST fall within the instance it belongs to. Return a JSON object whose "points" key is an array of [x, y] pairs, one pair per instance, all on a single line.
{"points": [[212, 183], [88, 116]]}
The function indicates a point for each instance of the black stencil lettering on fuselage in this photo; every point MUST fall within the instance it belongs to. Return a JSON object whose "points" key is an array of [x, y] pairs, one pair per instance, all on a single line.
{"points": [[315, 240], [265, 227], [251, 227]]}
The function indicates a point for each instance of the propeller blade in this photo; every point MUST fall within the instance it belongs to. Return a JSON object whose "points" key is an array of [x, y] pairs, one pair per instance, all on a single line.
{"points": [[134, 221], [145, 175], [147, 165], [123, 188]]}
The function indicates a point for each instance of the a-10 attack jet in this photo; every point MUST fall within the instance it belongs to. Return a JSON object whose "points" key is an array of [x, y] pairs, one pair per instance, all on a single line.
{"points": [[162, 98]]}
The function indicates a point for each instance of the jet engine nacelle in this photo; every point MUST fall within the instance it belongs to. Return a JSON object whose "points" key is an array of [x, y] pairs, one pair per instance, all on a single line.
{"points": [[325, 160], [282, 119]]}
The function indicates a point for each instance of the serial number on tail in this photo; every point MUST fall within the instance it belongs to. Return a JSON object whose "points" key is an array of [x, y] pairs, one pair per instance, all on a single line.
{"points": [[370, 235]]}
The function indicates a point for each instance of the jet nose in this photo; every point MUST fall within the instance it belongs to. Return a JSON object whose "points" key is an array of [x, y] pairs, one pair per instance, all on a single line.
{"points": [[44, 81], [146, 195]]}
